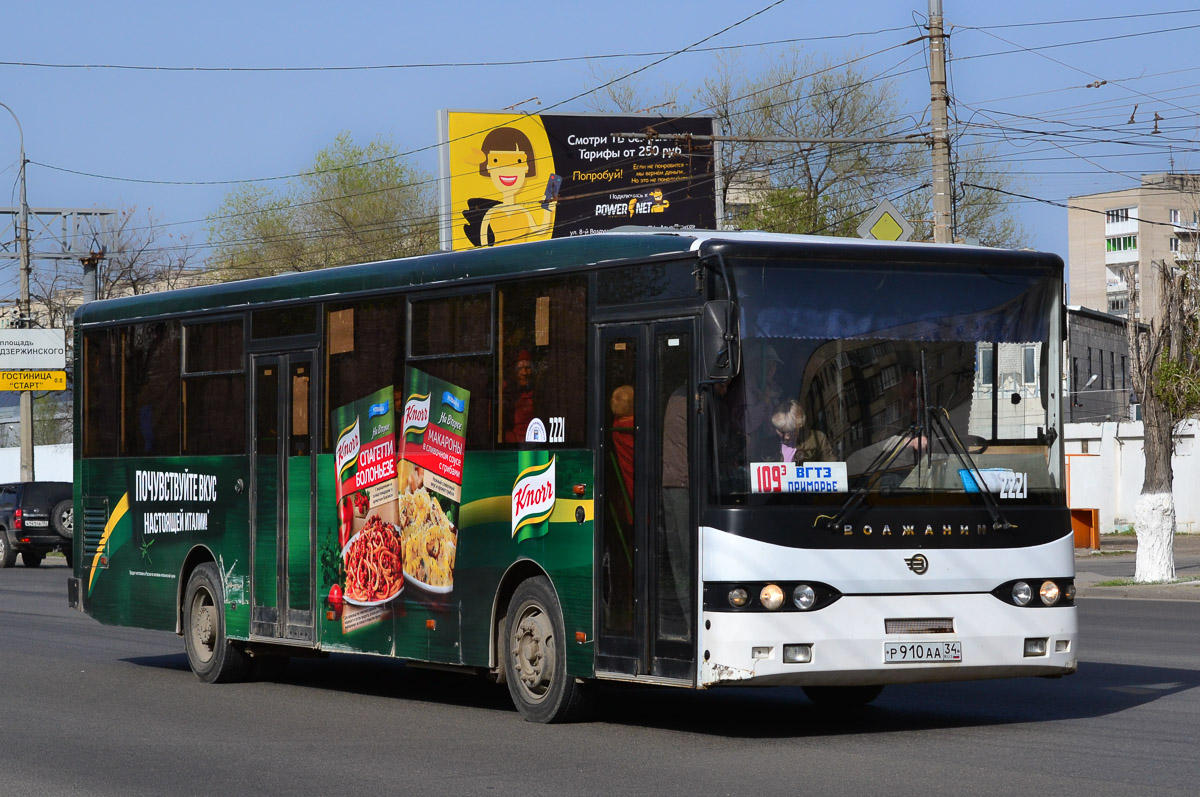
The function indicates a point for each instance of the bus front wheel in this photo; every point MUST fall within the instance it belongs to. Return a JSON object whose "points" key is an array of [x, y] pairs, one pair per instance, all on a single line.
{"points": [[841, 696], [535, 656], [209, 652]]}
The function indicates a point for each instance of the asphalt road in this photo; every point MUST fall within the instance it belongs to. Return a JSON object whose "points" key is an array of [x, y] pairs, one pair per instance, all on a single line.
{"points": [[92, 710]]}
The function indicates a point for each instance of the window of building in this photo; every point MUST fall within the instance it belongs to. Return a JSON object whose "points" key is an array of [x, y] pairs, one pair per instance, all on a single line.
{"points": [[1030, 365], [983, 374], [1121, 243], [214, 388], [1174, 215], [1174, 243], [1112, 370], [1117, 215]]}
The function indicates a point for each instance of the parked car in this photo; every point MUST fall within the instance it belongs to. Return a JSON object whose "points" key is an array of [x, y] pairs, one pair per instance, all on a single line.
{"points": [[35, 519]]}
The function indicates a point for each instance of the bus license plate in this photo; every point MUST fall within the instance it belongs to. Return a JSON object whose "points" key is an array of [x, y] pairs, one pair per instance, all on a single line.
{"points": [[918, 652]]}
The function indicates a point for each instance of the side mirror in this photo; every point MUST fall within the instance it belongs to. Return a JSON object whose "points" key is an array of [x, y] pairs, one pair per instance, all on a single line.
{"points": [[719, 338]]}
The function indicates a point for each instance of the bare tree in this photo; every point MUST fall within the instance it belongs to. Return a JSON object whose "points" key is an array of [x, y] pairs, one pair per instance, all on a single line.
{"points": [[143, 257], [1166, 377]]}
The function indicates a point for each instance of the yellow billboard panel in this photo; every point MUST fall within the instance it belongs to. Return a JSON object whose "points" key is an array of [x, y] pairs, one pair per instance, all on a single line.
{"points": [[500, 168], [33, 380]]}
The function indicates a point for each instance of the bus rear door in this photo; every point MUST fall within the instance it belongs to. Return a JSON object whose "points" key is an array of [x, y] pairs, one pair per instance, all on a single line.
{"points": [[283, 479]]}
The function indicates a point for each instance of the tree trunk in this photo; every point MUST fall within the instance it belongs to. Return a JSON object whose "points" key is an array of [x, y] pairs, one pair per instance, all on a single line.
{"points": [[1154, 513]]}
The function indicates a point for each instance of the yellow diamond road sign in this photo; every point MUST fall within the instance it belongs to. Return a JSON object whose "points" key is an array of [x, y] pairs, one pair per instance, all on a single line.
{"points": [[33, 380], [886, 224]]}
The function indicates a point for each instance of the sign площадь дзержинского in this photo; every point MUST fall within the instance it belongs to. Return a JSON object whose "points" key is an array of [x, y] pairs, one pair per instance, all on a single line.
{"points": [[33, 359]]}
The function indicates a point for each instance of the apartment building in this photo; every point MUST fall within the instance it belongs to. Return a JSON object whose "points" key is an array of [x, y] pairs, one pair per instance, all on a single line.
{"points": [[1115, 234]]}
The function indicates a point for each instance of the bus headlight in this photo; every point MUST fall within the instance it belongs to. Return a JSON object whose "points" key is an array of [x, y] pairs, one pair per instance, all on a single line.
{"points": [[1022, 593], [771, 597], [738, 597], [1049, 593], [804, 597]]}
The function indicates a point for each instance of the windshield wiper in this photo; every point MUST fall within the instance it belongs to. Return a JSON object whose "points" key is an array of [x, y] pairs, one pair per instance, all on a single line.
{"points": [[941, 420], [882, 461]]}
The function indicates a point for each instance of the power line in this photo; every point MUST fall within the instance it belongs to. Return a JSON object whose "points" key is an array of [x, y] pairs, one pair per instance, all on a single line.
{"points": [[448, 64]]}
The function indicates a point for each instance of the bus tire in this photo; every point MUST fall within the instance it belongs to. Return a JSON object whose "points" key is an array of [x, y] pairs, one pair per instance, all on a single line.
{"points": [[842, 696], [210, 654], [31, 559], [535, 664]]}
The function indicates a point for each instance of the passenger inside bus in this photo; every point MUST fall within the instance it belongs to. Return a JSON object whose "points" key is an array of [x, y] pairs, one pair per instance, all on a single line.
{"points": [[520, 400], [798, 441], [621, 405]]}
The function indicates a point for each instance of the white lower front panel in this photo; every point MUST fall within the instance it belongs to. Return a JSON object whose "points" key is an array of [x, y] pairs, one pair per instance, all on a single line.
{"points": [[850, 643]]}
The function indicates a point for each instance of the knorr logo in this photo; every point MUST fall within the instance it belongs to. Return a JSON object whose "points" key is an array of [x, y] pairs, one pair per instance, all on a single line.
{"points": [[416, 413], [533, 496], [348, 444]]}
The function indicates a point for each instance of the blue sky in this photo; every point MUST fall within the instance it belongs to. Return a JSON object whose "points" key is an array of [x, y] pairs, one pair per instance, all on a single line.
{"points": [[1059, 136]]}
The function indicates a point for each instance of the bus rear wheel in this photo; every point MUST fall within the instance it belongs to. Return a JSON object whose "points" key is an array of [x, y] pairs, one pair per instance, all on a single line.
{"points": [[535, 665], [210, 654], [842, 696]]}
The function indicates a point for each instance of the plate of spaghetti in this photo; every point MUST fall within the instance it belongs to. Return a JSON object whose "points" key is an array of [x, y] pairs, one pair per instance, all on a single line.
{"points": [[374, 563], [429, 542]]}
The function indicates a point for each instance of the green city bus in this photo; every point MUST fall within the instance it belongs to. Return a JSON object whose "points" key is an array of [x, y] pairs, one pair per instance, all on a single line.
{"points": [[670, 457]]}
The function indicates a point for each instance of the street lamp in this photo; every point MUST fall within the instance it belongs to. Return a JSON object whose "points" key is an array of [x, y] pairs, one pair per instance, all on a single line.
{"points": [[23, 321]]}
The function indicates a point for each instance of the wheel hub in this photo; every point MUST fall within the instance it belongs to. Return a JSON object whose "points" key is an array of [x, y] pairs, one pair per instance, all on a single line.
{"points": [[533, 653], [204, 627]]}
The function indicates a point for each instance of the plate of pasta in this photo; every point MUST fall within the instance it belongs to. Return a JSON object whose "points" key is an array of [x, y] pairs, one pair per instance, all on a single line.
{"points": [[374, 564], [429, 542]]}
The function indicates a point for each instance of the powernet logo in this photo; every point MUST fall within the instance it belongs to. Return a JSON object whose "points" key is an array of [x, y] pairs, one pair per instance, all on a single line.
{"points": [[532, 500]]}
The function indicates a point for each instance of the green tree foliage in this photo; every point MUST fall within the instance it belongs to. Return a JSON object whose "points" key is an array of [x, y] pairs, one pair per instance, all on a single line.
{"points": [[354, 204]]}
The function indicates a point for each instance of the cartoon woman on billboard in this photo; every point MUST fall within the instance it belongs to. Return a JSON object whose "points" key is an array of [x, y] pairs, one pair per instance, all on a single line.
{"points": [[507, 159]]}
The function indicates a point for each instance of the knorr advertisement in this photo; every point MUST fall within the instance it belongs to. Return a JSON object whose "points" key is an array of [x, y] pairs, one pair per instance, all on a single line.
{"points": [[433, 441], [510, 178], [398, 486]]}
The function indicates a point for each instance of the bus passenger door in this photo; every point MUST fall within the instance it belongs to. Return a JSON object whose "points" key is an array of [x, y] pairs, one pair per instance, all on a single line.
{"points": [[283, 488], [646, 557]]}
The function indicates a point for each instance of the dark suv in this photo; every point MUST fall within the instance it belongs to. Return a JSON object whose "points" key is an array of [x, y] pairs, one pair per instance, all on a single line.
{"points": [[35, 519]]}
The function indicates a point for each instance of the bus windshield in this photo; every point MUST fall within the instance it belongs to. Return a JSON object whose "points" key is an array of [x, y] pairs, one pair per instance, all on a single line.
{"points": [[903, 382]]}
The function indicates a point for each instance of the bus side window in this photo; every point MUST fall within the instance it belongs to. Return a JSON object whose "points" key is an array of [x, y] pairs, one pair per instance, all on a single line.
{"points": [[101, 393], [150, 423], [542, 361], [214, 388], [450, 338], [364, 352]]}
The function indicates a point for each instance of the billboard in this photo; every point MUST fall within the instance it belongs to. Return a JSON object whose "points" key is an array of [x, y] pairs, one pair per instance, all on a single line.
{"points": [[509, 178]]}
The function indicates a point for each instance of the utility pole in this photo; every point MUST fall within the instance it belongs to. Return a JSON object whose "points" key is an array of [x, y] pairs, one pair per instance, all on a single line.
{"points": [[23, 309], [938, 96]]}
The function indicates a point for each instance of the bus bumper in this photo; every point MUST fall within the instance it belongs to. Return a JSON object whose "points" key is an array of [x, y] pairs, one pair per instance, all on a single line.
{"points": [[848, 641]]}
